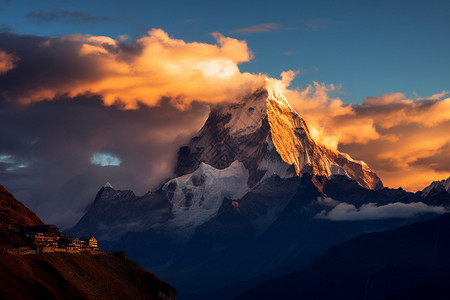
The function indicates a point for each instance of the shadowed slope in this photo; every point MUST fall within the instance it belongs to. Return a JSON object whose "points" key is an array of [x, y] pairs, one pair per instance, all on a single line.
{"points": [[411, 262]]}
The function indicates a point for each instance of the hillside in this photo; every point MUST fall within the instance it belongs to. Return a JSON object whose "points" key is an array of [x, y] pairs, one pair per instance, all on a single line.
{"points": [[77, 276], [14, 218], [66, 275]]}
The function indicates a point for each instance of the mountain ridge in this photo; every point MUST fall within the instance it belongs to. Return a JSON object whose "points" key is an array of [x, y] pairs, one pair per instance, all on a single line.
{"points": [[410, 262]]}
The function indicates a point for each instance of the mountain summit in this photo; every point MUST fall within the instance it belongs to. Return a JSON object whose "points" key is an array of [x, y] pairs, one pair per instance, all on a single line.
{"points": [[265, 134]]}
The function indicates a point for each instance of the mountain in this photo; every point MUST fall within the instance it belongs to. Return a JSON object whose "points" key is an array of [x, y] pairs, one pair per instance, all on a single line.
{"points": [[411, 262], [65, 275], [267, 136], [240, 146], [14, 219], [437, 186], [254, 196]]}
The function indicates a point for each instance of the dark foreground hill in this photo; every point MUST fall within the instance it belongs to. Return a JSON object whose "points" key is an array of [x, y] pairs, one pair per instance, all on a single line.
{"points": [[411, 262], [77, 276], [65, 275]]}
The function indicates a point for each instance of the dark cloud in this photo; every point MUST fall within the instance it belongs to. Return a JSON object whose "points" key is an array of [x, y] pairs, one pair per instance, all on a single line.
{"points": [[46, 150], [440, 161], [44, 63], [66, 17]]}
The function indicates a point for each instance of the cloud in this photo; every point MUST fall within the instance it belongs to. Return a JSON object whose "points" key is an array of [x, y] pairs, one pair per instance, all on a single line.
{"points": [[438, 161], [370, 211], [435, 96], [7, 61], [328, 201], [49, 150], [65, 16], [151, 67], [266, 27], [403, 140]]}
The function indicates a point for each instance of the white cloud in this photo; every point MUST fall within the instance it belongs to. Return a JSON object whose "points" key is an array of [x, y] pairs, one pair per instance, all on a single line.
{"points": [[370, 211]]}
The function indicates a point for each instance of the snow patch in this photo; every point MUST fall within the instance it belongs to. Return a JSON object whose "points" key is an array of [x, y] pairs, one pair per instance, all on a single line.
{"points": [[108, 185], [197, 197]]}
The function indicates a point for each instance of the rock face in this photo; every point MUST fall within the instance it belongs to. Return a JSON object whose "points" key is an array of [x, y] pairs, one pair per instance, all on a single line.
{"points": [[114, 213], [264, 133]]}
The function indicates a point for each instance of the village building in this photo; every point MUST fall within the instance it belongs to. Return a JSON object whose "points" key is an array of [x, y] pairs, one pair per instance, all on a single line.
{"points": [[85, 242], [42, 239], [89, 241], [50, 236]]}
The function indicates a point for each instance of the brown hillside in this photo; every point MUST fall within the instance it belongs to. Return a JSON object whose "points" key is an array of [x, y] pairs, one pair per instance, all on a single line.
{"points": [[14, 218], [64, 275], [77, 276]]}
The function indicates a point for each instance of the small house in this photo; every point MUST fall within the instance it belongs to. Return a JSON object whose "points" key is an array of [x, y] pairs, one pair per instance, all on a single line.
{"points": [[88, 241]]}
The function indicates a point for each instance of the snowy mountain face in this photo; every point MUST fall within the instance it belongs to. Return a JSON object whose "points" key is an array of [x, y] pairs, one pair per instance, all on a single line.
{"points": [[264, 133], [442, 185]]}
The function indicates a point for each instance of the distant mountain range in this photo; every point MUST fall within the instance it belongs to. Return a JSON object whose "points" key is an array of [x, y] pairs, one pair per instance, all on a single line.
{"points": [[65, 275], [411, 262], [253, 197]]}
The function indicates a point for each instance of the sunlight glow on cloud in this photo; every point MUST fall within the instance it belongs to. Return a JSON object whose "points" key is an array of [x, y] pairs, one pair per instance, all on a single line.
{"points": [[7, 61], [105, 159], [153, 66], [404, 140]]}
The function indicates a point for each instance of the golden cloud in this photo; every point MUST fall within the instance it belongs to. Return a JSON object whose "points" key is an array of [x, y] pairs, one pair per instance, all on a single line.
{"points": [[403, 140], [152, 67], [7, 61]]}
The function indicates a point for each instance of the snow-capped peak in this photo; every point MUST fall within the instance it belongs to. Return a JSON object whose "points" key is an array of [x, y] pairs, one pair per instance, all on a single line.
{"points": [[108, 185], [267, 135]]}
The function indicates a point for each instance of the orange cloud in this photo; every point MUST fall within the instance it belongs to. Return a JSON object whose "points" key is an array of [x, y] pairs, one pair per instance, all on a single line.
{"points": [[7, 61], [405, 141], [152, 67]]}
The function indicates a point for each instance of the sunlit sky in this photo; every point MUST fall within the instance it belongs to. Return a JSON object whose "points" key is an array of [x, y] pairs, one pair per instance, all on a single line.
{"points": [[370, 47], [371, 78]]}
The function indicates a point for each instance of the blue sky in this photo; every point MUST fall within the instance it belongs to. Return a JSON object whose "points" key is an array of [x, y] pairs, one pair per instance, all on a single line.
{"points": [[369, 47]]}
